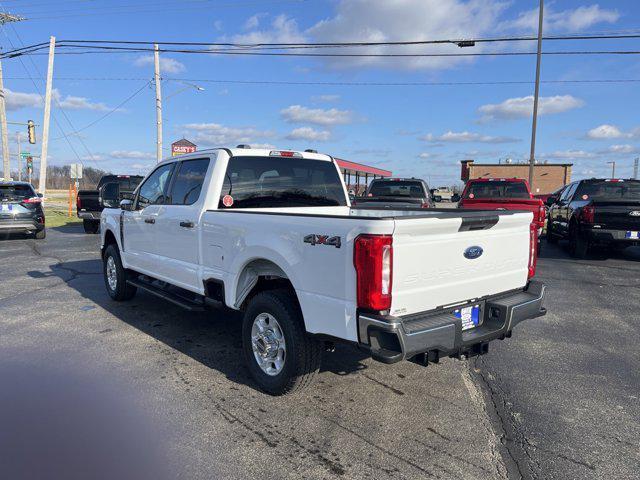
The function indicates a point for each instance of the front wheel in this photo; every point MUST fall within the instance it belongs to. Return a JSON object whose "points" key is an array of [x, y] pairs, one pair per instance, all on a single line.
{"points": [[280, 355], [115, 276]]}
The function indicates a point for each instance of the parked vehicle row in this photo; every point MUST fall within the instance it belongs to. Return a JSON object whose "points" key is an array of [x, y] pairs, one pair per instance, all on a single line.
{"points": [[273, 234], [395, 193]]}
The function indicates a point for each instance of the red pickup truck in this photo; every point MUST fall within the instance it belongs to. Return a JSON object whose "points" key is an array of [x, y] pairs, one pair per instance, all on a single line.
{"points": [[503, 194]]}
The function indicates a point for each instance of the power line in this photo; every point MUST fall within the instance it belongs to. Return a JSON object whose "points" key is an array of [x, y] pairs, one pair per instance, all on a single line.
{"points": [[111, 49], [114, 109], [334, 83]]}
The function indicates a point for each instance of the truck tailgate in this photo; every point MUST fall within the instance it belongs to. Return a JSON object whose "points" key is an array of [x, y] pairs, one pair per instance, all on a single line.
{"points": [[430, 269]]}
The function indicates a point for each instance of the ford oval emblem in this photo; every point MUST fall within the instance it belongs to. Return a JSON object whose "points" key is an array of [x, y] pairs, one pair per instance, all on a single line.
{"points": [[473, 252]]}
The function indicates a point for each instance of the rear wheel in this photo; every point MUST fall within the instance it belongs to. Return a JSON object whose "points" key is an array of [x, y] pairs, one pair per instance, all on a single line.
{"points": [[90, 226], [115, 276], [280, 355], [40, 234], [578, 245], [551, 238]]}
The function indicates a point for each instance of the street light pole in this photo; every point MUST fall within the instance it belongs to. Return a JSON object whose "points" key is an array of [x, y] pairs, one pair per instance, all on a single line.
{"points": [[635, 167], [613, 168], [535, 97]]}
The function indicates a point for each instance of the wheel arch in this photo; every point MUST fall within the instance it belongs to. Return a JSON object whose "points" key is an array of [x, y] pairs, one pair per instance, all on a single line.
{"points": [[258, 275]]}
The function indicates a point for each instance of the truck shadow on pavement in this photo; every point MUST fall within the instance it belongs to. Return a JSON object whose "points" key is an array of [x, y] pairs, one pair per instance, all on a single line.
{"points": [[212, 337]]}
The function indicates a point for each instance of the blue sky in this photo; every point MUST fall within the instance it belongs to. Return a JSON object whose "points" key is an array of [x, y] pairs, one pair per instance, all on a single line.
{"points": [[420, 130]]}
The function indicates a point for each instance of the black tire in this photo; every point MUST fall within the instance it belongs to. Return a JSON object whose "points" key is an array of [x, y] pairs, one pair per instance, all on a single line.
{"points": [[40, 234], [578, 245], [121, 290], [90, 226], [551, 238], [303, 352]]}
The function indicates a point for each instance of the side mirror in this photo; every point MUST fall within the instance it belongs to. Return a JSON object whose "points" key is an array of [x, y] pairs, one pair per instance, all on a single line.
{"points": [[40, 195], [126, 204], [110, 194], [550, 201], [455, 198]]}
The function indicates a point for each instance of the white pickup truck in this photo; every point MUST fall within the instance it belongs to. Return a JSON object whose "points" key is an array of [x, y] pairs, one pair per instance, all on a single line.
{"points": [[272, 233]]}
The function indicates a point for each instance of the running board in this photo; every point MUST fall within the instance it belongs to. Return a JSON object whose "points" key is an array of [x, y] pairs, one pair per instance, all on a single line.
{"points": [[179, 300]]}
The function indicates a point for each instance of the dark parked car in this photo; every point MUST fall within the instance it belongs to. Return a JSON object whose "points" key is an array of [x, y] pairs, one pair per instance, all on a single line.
{"points": [[89, 203], [21, 210], [396, 193], [596, 212]]}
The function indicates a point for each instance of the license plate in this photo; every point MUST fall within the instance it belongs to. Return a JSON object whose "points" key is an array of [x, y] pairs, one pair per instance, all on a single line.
{"points": [[470, 316], [635, 235]]}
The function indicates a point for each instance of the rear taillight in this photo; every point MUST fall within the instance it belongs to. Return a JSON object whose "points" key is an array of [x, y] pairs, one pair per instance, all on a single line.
{"points": [[425, 205], [533, 250], [78, 202], [542, 215], [588, 214], [373, 260], [32, 200]]}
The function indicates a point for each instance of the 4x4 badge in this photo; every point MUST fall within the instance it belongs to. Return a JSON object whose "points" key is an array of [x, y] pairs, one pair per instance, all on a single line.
{"points": [[635, 213], [315, 239]]}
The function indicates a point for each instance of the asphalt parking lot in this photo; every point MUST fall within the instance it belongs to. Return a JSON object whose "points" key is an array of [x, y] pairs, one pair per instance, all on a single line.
{"points": [[144, 390]]}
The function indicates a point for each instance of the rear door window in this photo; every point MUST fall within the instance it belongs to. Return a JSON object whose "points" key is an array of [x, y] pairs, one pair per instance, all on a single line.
{"points": [[268, 182], [188, 181]]}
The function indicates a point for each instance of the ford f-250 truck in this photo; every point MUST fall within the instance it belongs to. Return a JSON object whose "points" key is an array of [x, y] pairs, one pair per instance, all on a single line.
{"points": [[272, 233]]}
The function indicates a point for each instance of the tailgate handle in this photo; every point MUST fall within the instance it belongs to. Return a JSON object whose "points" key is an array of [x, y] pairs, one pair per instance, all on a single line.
{"points": [[477, 223], [149, 220], [187, 224]]}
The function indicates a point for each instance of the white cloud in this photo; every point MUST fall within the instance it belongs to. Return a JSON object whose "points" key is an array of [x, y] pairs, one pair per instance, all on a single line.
{"points": [[317, 116], [570, 154], [308, 133], [167, 64], [606, 132], [522, 107], [466, 137], [141, 166], [18, 100], [384, 21], [626, 149], [571, 20], [325, 98], [214, 134], [282, 30], [132, 155], [254, 21], [425, 155]]}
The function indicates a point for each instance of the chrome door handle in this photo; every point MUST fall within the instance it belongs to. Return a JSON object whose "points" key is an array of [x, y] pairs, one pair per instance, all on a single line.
{"points": [[149, 220], [187, 224]]}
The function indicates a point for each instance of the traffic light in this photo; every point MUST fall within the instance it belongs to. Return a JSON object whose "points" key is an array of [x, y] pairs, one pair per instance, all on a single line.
{"points": [[31, 131]]}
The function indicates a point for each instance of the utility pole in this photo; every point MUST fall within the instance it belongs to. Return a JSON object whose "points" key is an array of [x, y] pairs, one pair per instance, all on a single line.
{"points": [[19, 158], [6, 163], [532, 156], [635, 167], [613, 169], [42, 184], [156, 62]]}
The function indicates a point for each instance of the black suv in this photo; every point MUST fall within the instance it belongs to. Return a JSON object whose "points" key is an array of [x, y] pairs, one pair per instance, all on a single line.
{"points": [[21, 210], [597, 211]]}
